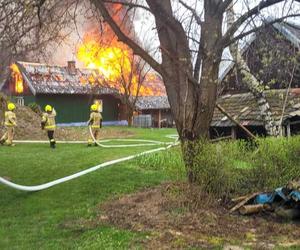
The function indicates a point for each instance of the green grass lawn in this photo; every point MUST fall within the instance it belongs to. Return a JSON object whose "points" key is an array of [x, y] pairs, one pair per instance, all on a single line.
{"points": [[50, 219]]}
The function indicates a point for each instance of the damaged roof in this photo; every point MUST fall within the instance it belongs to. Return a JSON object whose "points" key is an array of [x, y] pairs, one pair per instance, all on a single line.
{"points": [[152, 102], [244, 108], [48, 79]]}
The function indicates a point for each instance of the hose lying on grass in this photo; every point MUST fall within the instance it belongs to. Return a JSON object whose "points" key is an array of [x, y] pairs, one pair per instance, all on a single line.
{"points": [[92, 169]]}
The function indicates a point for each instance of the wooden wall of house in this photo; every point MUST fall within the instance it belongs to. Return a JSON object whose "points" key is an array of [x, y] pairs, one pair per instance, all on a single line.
{"points": [[9, 88], [271, 57], [76, 108], [235, 132], [160, 116]]}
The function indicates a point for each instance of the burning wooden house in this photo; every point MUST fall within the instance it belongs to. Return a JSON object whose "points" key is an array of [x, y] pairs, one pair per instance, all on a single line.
{"points": [[113, 74], [69, 89], [72, 90]]}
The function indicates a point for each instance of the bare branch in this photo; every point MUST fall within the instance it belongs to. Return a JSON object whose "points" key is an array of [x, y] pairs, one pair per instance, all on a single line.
{"points": [[264, 25], [128, 4], [195, 15], [252, 12]]}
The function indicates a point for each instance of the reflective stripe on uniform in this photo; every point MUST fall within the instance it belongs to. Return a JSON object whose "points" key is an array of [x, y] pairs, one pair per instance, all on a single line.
{"points": [[49, 120], [9, 125], [50, 127], [95, 119]]}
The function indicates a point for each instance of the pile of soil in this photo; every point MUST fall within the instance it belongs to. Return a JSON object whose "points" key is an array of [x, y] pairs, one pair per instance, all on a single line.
{"points": [[177, 216], [29, 124]]}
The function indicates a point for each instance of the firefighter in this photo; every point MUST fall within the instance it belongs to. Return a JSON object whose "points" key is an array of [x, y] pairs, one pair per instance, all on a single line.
{"points": [[48, 123], [95, 122], [10, 124]]}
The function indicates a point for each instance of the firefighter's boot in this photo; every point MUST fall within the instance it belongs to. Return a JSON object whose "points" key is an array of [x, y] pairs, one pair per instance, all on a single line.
{"points": [[52, 143]]}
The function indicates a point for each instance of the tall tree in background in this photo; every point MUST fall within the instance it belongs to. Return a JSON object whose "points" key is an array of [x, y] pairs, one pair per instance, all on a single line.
{"points": [[190, 80]]}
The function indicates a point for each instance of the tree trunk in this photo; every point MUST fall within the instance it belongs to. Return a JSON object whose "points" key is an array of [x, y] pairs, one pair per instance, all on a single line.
{"points": [[253, 84], [129, 113], [192, 103], [129, 118]]}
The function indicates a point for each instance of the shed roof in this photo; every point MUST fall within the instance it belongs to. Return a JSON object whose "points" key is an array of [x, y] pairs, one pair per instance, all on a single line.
{"points": [[152, 102], [244, 108], [48, 79]]}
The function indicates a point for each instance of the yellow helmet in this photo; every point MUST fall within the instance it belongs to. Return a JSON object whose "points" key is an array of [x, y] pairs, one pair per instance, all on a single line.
{"points": [[94, 107], [48, 108], [11, 106]]}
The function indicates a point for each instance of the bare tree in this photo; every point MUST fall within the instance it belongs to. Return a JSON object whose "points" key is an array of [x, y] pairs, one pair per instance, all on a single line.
{"points": [[132, 72], [191, 87], [116, 65], [27, 27]]}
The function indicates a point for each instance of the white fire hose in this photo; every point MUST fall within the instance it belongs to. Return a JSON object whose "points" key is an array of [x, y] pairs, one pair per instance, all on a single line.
{"points": [[92, 169]]}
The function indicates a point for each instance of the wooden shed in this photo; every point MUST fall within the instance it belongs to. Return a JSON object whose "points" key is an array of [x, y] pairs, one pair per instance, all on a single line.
{"points": [[159, 109]]}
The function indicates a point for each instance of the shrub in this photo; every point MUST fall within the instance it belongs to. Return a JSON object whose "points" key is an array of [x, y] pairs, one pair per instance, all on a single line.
{"points": [[214, 168], [276, 161], [231, 168], [35, 107]]}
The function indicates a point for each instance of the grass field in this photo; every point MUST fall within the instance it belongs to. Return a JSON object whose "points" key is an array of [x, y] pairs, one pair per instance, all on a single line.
{"points": [[58, 218]]}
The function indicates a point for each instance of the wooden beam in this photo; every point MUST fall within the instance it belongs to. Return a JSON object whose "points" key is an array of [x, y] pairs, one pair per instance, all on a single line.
{"points": [[288, 130], [223, 111], [233, 132], [294, 122], [159, 118]]}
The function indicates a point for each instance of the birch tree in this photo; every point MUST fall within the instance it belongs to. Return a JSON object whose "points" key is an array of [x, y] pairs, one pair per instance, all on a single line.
{"points": [[253, 84]]}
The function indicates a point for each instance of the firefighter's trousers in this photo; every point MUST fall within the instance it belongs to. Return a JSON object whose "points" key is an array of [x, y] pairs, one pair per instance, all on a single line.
{"points": [[8, 136], [96, 132]]}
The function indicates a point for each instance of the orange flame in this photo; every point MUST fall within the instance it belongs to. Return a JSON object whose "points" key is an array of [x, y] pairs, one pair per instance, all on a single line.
{"points": [[18, 79], [114, 62], [110, 61]]}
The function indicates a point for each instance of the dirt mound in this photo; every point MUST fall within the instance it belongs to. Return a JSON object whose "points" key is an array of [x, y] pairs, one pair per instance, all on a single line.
{"points": [[28, 124], [177, 218]]}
